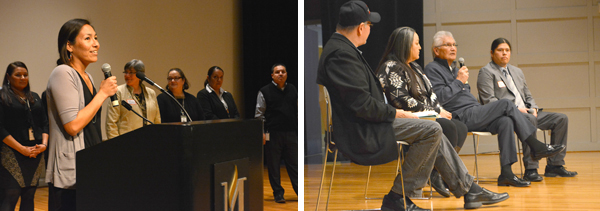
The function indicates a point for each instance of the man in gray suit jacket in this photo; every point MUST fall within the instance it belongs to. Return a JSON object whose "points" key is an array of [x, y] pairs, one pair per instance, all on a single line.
{"points": [[500, 80]]}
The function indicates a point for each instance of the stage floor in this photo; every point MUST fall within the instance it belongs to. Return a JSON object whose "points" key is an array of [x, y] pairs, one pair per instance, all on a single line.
{"points": [[41, 195], [577, 193]]}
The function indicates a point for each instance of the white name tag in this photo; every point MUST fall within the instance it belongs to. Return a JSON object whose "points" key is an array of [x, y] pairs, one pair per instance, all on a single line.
{"points": [[131, 102], [501, 84]]}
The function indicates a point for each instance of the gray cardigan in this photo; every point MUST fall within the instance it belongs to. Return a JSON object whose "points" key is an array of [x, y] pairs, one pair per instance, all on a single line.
{"points": [[65, 99]]}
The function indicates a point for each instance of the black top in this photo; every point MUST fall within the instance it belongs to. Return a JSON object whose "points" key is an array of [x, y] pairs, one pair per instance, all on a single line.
{"points": [[454, 96], [213, 107], [282, 107], [16, 119], [362, 121], [170, 111], [92, 134]]}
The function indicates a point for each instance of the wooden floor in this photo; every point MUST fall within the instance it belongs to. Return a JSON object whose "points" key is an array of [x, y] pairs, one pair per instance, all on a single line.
{"points": [[41, 195], [578, 193]]}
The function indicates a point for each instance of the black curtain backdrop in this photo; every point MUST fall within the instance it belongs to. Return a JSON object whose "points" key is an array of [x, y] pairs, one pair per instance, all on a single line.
{"points": [[269, 36], [394, 14]]}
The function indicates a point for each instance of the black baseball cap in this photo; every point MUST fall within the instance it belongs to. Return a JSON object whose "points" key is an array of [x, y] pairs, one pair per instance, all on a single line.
{"points": [[353, 13]]}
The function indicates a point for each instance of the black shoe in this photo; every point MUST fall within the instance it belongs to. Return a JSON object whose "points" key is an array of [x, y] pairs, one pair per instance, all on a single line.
{"points": [[438, 184], [279, 199], [532, 175], [512, 181], [485, 197], [393, 202], [549, 151], [559, 171]]}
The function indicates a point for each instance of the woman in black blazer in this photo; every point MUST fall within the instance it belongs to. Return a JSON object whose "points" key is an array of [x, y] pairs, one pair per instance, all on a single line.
{"points": [[216, 102]]}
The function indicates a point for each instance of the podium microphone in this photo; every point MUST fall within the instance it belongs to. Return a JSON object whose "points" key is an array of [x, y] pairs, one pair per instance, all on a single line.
{"points": [[107, 74], [128, 107], [140, 69]]}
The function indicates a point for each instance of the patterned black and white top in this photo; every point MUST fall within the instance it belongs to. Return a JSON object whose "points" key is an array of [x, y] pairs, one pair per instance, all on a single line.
{"points": [[395, 81]]}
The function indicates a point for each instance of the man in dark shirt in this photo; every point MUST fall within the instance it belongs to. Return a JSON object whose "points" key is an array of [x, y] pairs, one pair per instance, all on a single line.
{"points": [[277, 107], [366, 129], [501, 117]]}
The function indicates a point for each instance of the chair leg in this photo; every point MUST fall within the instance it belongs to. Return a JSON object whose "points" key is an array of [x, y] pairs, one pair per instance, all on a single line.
{"points": [[331, 181], [475, 146], [401, 154], [367, 185], [323, 174], [520, 149]]}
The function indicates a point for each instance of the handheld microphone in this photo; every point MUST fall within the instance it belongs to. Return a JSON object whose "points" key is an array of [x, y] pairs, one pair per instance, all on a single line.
{"points": [[461, 61], [106, 69], [128, 107]]}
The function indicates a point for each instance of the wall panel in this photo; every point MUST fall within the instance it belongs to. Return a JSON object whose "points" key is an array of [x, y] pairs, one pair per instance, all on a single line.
{"points": [[552, 36]]}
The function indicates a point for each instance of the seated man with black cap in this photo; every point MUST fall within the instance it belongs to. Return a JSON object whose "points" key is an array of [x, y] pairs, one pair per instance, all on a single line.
{"points": [[366, 128]]}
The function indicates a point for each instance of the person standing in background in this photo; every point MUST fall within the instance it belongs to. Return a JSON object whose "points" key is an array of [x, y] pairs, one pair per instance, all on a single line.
{"points": [[24, 131], [216, 102], [277, 107], [119, 120]]}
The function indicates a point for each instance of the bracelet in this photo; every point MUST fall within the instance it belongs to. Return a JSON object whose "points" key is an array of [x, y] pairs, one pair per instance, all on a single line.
{"points": [[44, 145]]}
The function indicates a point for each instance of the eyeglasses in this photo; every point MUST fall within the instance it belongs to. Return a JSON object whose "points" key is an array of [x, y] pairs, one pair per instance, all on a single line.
{"points": [[129, 73], [447, 45], [175, 79], [368, 23]]}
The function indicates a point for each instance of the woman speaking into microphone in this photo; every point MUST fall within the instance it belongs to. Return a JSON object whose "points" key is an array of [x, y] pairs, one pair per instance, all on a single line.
{"points": [[74, 107]]}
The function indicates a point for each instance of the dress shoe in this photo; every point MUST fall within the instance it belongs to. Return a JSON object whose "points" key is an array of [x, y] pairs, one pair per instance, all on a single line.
{"points": [[512, 181], [549, 151], [393, 202], [438, 184], [532, 175], [279, 199], [485, 197], [552, 171]]}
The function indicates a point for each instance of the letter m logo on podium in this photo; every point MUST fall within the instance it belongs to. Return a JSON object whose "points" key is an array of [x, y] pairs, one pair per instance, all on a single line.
{"points": [[229, 185]]}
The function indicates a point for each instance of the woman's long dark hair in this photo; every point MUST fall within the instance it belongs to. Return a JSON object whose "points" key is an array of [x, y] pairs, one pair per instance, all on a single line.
{"points": [[7, 91], [398, 49], [211, 70], [67, 34]]}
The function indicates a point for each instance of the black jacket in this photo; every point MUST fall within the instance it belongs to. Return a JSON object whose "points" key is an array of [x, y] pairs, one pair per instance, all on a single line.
{"points": [[362, 121], [213, 107]]}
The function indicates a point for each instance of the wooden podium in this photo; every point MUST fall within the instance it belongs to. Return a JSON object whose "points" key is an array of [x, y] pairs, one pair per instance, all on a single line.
{"points": [[175, 166]]}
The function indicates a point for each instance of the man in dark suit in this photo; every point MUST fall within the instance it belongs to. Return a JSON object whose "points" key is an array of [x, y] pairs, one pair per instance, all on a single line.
{"points": [[500, 80], [500, 117], [366, 129]]}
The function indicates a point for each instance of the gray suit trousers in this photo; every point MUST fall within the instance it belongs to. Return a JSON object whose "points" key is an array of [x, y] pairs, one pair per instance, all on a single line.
{"points": [[429, 148], [503, 118], [558, 124]]}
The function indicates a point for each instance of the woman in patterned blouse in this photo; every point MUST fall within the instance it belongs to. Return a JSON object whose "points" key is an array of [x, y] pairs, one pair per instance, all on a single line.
{"points": [[407, 88]]}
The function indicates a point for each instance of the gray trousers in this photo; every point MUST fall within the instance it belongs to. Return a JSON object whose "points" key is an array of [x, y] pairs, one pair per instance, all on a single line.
{"points": [[429, 148], [558, 124], [503, 118]]}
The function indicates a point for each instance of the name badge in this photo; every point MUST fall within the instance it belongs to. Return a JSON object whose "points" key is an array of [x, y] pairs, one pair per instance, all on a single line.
{"points": [[131, 102], [31, 137], [501, 84]]}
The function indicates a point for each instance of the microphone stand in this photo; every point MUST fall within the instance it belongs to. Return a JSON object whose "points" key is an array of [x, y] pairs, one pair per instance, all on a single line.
{"points": [[128, 107], [142, 76]]}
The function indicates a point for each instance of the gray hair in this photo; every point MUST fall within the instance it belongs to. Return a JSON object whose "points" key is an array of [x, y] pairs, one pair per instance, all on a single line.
{"points": [[437, 40]]}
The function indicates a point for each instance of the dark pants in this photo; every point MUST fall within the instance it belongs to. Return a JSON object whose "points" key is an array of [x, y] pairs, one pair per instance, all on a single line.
{"points": [[11, 196], [503, 118], [558, 124], [455, 131], [282, 145], [61, 199]]}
